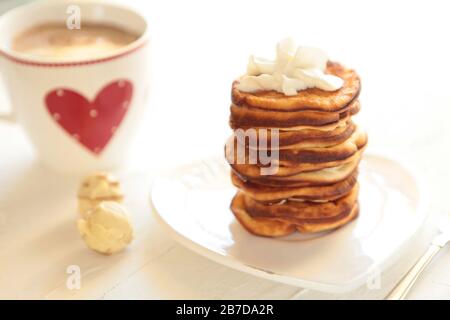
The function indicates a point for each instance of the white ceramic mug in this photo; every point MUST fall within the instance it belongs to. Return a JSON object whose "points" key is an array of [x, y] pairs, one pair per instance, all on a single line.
{"points": [[80, 115]]}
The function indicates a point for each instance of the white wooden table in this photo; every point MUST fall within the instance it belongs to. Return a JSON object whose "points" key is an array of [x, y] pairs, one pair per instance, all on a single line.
{"points": [[198, 48]]}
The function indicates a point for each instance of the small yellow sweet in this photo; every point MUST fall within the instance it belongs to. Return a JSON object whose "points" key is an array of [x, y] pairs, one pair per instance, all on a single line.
{"points": [[96, 188], [106, 228]]}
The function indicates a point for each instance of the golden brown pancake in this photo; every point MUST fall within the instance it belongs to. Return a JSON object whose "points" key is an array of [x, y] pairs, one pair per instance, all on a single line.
{"points": [[268, 227], [311, 178], [309, 137], [268, 194], [297, 212], [325, 225], [245, 117], [343, 145], [293, 162], [310, 99], [259, 226], [342, 151], [253, 171]]}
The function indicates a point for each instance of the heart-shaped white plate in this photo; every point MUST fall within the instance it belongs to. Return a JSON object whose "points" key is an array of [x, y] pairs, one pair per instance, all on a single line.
{"points": [[193, 203]]}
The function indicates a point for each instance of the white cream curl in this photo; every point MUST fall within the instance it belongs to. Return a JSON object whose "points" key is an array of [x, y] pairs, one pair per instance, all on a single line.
{"points": [[292, 71]]}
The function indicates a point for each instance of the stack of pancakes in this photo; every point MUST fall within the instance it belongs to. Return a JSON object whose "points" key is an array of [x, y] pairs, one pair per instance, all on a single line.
{"points": [[315, 187]]}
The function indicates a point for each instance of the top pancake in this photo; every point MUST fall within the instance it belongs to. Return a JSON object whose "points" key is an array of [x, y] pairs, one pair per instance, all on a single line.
{"points": [[309, 99]]}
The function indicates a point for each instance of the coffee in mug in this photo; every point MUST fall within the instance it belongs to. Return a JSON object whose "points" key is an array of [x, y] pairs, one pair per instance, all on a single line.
{"points": [[56, 40]]}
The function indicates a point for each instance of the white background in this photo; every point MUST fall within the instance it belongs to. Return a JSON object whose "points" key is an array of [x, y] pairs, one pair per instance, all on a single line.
{"points": [[400, 49]]}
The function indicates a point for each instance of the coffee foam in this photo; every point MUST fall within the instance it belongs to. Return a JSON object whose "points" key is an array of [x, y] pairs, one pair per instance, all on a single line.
{"points": [[56, 40]]}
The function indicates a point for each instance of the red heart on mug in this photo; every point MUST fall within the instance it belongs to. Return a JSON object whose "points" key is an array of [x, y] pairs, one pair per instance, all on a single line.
{"points": [[91, 123]]}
